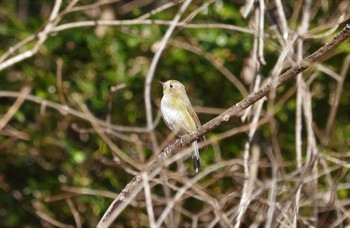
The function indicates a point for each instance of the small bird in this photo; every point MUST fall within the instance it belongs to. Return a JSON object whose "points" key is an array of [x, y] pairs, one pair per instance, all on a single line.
{"points": [[178, 114]]}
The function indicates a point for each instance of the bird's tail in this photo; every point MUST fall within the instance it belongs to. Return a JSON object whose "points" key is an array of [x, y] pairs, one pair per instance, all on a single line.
{"points": [[195, 156]]}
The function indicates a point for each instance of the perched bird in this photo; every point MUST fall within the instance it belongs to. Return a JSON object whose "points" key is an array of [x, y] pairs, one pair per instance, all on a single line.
{"points": [[178, 114]]}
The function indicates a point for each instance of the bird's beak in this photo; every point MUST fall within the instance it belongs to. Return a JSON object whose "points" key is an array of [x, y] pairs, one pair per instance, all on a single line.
{"points": [[161, 83]]}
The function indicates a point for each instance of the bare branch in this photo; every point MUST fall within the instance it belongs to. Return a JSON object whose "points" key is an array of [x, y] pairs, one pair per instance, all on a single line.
{"points": [[75, 212], [148, 199], [11, 112], [67, 110], [51, 220], [337, 95], [42, 36], [82, 24]]}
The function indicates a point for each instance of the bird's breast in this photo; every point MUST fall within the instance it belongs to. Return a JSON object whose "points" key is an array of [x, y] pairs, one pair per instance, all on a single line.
{"points": [[176, 116]]}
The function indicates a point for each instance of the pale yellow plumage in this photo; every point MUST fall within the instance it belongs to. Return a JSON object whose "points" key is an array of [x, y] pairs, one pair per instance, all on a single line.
{"points": [[178, 113]]}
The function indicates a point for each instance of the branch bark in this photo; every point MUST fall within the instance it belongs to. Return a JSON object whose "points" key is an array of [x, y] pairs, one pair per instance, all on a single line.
{"points": [[135, 185]]}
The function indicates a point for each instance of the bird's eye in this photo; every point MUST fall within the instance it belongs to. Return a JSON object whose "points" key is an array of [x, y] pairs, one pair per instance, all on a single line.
{"points": [[171, 86]]}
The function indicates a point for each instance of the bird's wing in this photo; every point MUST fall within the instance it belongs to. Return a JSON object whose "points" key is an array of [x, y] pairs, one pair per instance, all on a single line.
{"points": [[186, 102]]}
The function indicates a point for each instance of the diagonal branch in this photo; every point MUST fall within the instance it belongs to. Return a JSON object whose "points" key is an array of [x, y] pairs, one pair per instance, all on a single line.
{"points": [[135, 185], [12, 111]]}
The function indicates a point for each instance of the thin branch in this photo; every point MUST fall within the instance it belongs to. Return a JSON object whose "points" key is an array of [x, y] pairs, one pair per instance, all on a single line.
{"points": [[257, 56], [81, 24], [67, 110], [250, 181], [42, 36], [273, 192], [312, 150], [51, 220], [247, 8], [301, 91], [159, 9], [12, 111], [249, 171], [75, 212], [335, 100], [261, 32], [60, 89], [148, 196], [87, 191], [331, 27], [282, 19], [92, 6]]}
